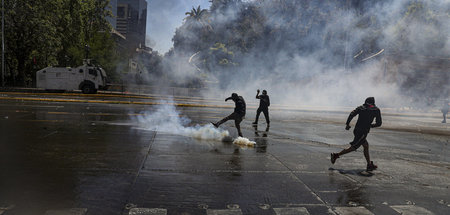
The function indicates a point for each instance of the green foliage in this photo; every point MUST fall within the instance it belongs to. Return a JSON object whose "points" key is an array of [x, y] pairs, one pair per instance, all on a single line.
{"points": [[41, 33], [221, 55], [196, 14], [102, 46], [220, 47], [29, 34], [203, 31]]}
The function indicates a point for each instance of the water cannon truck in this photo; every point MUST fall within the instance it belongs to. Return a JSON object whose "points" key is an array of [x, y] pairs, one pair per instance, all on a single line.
{"points": [[88, 78]]}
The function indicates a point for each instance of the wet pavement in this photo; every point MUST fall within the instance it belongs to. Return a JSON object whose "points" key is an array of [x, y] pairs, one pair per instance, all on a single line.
{"points": [[75, 157]]}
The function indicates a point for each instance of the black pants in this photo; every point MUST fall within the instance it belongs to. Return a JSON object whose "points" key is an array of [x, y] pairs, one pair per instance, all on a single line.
{"points": [[237, 121], [360, 138], [266, 114]]}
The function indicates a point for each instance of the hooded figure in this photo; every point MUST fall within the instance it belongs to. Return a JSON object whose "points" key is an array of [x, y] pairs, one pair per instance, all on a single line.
{"points": [[238, 114], [264, 103], [366, 114]]}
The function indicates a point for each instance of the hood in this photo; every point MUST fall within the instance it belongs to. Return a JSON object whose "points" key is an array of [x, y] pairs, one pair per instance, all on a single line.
{"points": [[234, 96], [370, 101]]}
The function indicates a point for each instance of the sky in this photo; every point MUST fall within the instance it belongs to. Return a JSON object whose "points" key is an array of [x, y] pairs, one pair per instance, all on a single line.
{"points": [[163, 17]]}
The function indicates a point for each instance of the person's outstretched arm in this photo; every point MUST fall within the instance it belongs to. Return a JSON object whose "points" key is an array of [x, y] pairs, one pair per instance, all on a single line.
{"points": [[228, 98], [350, 117], [257, 94]]}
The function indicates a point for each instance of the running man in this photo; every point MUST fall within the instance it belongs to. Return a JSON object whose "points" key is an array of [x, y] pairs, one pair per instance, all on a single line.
{"points": [[238, 114], [264, 103], [367, 113]]}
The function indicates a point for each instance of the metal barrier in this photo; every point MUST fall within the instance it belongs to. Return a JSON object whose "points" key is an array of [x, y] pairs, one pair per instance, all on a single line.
{"points": [[145, 89]]}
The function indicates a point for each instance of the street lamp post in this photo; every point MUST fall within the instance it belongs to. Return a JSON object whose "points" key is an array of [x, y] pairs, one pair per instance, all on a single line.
{"points": [[3, 43]]}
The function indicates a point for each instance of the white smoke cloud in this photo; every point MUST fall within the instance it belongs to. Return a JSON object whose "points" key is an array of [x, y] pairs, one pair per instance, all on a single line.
{"points": [[317, 75], [149, 42], [165, 118], [304, 79], [242, 141]]}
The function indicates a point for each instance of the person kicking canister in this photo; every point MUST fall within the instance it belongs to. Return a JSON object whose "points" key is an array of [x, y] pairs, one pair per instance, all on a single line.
{"points": [[367, 113], [237, 115]]}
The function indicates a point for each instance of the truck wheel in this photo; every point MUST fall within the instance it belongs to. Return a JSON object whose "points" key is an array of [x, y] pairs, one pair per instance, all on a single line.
{"points": [[87, 89]]}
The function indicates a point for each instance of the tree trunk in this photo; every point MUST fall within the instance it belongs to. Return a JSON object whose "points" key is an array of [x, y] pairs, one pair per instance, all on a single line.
{"points": [[21, 81]]}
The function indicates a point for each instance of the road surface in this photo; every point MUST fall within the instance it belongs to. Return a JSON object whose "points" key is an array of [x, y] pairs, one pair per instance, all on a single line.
{"points": [[78, 154]]}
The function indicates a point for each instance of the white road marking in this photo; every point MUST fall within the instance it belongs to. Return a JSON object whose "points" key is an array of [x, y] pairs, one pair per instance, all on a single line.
{"points": [[68, 211], [224, 212], [47, 135], [291, 211], [411, 210], [148, 211], [353, 211]]}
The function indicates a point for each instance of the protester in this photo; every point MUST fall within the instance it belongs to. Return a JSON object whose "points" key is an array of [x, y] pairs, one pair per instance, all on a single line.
{"points": [[238, 114], [264, 103], [367, 113]]}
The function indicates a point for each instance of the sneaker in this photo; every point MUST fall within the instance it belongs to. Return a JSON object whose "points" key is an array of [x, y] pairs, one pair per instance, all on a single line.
{"points": [[334, 156], [371, 166], [215, 124]]}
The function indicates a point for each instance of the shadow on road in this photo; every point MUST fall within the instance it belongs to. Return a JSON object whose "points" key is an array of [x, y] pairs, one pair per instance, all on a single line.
{"points": [[261, 142], [359, 172]]}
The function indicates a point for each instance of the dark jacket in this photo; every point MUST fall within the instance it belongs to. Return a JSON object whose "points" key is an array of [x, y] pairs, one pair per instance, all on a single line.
{"points": [[367, 113], [264, 101], [240, 105]]}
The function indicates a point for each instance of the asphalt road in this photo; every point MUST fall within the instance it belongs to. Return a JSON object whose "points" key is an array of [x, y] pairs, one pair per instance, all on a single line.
{"points": [[77, 154]]}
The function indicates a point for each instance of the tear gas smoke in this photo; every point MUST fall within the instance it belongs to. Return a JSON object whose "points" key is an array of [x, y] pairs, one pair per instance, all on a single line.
{"points": [[331, 61], [168, 120], [242, 141]]}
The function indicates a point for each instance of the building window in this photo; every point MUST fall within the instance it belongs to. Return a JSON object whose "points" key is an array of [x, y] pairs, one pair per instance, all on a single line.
{"points": [[121, 12], [92, 72]]}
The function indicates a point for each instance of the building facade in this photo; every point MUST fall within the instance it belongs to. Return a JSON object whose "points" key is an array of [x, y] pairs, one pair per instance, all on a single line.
{"points": [[113, 8], [131, 21]]}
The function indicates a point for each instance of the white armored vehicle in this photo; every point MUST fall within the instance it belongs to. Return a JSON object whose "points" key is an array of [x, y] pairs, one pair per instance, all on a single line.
{"points": [[88, 78]]}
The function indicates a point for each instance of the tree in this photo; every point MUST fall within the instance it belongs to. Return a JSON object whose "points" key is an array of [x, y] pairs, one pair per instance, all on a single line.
{"points": [[196, 14], [40, 33], [258, 32], [30, 34], [195, 33]]}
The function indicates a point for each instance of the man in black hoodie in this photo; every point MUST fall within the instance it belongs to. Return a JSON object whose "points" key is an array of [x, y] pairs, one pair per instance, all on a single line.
{"points": [[367, 113], [237, 115], [264, 103]]}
